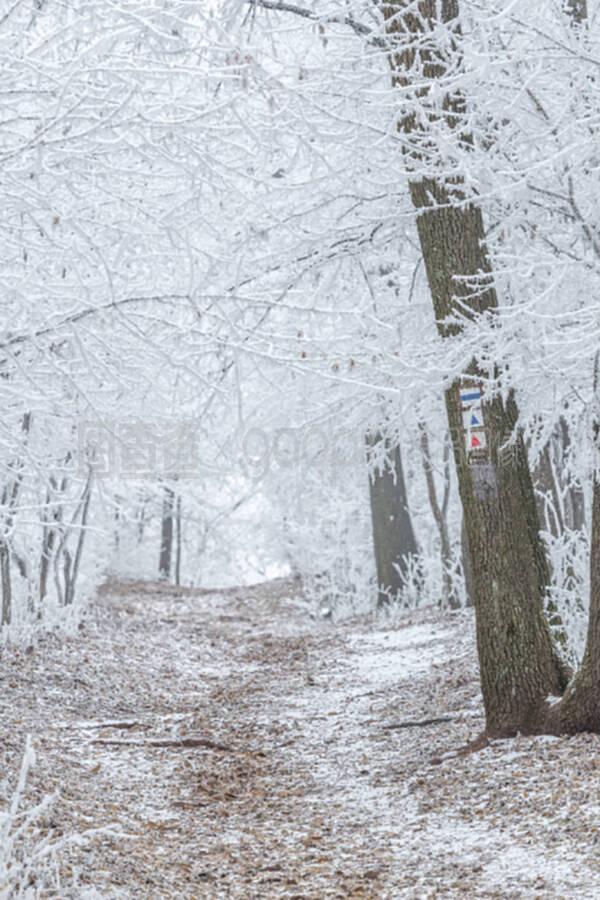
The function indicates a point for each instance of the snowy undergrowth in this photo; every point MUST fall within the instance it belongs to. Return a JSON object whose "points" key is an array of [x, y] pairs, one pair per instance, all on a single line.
{"points": [[27, 628], [28, 858]]}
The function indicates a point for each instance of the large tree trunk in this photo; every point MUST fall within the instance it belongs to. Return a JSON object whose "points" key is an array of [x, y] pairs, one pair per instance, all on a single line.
{"points": [[394, 540], [518, 661], [166, 534]]}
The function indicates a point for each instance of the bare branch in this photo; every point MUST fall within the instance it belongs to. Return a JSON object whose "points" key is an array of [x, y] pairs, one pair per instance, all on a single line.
{"points": [[358, 27]]}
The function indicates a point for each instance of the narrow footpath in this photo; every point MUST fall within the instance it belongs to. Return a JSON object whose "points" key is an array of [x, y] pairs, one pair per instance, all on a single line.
{"points": [[232, 744]]}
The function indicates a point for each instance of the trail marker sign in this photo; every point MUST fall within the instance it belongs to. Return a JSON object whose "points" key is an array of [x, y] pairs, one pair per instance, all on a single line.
{"points": [[470, 396], [472, 418], [471, 402], [477, 441]]}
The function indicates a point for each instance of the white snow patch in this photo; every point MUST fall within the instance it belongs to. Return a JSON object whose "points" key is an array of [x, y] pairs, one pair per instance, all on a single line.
{"points": [[385, 657]]}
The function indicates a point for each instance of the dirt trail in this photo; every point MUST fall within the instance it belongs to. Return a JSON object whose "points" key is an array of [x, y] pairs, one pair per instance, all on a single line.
{"points": [[242, 748]]}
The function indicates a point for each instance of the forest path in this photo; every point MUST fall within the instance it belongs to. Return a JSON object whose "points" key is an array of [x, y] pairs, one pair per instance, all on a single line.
{"points": [[239, 747]]}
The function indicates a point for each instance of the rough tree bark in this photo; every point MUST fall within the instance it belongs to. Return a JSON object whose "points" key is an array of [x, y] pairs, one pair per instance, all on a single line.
{"points": [[519, 664], [394, 539], [466, 563]]}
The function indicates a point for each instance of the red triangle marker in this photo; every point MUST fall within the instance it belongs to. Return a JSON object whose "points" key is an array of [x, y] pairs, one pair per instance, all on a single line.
{"points": [[475, 442]]}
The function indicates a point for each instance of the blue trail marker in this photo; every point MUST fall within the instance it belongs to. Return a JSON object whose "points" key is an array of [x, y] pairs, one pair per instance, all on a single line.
{"points": [[470, 396]]}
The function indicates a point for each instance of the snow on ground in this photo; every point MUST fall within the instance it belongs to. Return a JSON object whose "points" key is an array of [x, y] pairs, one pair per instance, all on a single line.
{"points": [[240, 748]]}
